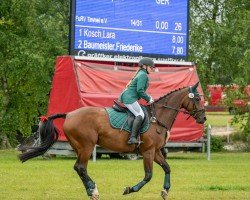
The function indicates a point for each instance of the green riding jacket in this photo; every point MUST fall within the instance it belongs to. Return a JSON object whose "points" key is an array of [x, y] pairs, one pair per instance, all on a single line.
{"points": [[136, 89]]}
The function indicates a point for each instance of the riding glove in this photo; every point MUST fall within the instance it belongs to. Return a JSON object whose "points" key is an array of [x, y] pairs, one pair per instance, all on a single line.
{"points": [[151, 100]]}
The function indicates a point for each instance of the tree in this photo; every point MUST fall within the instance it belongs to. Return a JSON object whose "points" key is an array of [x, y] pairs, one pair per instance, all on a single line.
{"points": [[219, 40], [32, 33], [219, 44]]}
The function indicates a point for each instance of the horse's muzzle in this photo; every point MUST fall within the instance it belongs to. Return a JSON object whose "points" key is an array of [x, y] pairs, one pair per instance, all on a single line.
{"points": [[201, 119]]}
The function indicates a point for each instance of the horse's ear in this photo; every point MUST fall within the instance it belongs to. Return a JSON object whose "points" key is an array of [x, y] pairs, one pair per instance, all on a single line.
{"points": [[195, 86]]}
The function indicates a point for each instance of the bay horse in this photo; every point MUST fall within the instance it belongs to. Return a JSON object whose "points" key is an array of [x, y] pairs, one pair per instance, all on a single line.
{"points": [[88, 126]]}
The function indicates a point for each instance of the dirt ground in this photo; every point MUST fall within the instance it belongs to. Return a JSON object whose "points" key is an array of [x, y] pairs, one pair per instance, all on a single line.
{"points": [[226, 131], [222, 130]]}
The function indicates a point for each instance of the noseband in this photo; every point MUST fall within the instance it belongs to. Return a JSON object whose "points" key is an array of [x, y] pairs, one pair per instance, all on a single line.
{"points": [[194, 113]]}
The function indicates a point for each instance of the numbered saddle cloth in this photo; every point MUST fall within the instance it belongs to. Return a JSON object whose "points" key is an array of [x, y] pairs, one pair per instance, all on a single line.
{"points": [[124, 120]]}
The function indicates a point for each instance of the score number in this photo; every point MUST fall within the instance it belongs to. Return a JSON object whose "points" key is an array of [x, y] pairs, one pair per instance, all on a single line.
{"points": [[161, 25], [177, 50], [178, 26], [177, 39]]}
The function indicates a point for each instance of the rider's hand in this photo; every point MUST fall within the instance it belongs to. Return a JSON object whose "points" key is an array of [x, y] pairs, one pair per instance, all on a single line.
{"points": [[151, 100]]}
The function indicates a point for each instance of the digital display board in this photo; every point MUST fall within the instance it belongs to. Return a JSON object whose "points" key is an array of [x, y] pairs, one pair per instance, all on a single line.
{"points": [[130, 29]]}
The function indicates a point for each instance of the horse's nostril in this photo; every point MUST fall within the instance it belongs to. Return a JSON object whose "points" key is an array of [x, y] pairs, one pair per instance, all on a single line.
{"points": [[205, 118]]}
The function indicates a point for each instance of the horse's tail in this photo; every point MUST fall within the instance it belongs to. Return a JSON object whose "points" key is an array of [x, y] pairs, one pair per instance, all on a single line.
{"points": [[48, 136]]}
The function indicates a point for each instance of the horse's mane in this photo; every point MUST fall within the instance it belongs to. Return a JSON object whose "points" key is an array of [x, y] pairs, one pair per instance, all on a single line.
{"points": [[170, 93]]}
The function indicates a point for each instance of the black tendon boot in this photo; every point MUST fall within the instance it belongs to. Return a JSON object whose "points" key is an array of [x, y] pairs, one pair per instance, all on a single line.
{"points": [[135, 130]]}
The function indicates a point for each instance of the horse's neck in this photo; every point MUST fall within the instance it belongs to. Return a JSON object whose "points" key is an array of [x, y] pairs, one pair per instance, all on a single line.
{"points": [[173, 102]]}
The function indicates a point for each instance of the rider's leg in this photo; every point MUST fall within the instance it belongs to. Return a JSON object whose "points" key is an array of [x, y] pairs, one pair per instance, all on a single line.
{"points": [[136, 109]]}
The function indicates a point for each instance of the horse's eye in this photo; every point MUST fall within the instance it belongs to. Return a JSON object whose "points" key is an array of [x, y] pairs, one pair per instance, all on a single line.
{"points": [[197, 98]]}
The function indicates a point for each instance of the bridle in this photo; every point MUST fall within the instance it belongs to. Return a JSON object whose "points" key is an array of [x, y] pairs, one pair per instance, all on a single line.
{"points": [[195, 97], [194, 113]]}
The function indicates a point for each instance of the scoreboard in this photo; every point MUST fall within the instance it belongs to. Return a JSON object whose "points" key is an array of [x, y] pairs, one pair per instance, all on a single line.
{"points": [[130, 29]]}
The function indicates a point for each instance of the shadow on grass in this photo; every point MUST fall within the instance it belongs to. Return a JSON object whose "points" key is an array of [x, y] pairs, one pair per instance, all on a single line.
{"points": [[183, 158], [121, 158], [223, 188]]}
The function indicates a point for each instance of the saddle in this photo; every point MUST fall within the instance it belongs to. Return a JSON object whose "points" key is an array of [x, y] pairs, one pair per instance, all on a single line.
{"points": [[119, 107]]}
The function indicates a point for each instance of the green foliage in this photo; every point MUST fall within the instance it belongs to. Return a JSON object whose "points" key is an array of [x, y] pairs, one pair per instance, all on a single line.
{"points": [[32, 33], [243, 120], [216, 144], [233, 93], [240, 137], [219, 40], [219, 44], [242, 113]]}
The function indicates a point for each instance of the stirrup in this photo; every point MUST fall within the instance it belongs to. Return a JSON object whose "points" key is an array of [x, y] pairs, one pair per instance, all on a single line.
{"points": [[153, 119], [133, 140], [140, 142]]}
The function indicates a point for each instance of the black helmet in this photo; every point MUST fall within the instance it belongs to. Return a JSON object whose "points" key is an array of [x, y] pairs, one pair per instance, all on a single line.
{"points": [[146, 61]]}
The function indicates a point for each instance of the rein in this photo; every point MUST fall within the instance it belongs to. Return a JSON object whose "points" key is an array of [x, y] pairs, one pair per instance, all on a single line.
{"points": [[153, 117], [176, 109], [193, 113], [161, 124]]}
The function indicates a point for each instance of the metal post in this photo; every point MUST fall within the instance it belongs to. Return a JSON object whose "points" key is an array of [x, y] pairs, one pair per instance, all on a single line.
{"points": [[228, 129], [94, 154], [209, 129]]}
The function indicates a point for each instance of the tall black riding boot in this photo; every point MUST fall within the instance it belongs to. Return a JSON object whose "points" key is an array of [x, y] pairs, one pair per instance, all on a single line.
{"points": [[135, 130]]}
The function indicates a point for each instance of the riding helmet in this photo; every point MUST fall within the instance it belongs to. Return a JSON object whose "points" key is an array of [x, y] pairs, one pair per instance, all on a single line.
{"points": [[146, 61]]}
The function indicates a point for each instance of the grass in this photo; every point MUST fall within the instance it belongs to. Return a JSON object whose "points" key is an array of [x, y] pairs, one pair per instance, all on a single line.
{"points": [[226, 176], [218, 118]]}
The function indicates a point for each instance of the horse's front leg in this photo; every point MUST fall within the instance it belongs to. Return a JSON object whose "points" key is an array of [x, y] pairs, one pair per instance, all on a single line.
{"points": [[159, 159], [148, 158]]}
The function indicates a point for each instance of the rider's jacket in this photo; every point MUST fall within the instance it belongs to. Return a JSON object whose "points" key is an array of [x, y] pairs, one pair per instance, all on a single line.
{"points": [[136, 89]]}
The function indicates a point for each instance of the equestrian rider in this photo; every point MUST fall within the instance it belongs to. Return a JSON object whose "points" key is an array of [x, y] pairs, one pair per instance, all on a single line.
{"points": [[135, 90]]}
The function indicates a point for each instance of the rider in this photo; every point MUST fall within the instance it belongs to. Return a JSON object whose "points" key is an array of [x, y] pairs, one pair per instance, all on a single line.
{"points": [[135, 90]]}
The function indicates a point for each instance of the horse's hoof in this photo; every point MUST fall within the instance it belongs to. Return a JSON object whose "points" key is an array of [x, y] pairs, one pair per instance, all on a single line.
{"points": [[164, 194], [94, 197], [95, 194], [126, 190]]}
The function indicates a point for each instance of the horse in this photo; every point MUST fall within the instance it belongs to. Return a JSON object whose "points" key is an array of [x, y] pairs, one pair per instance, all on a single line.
{"points": [[88, 126]]}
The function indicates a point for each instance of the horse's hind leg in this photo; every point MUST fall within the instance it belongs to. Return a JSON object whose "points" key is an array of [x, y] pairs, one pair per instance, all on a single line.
{"points": [[81, 169], [159, 159], [148, 158]]}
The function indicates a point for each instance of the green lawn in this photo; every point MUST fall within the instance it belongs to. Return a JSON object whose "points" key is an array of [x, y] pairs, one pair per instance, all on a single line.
{"points": [[218, 118], [226, 176]]}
